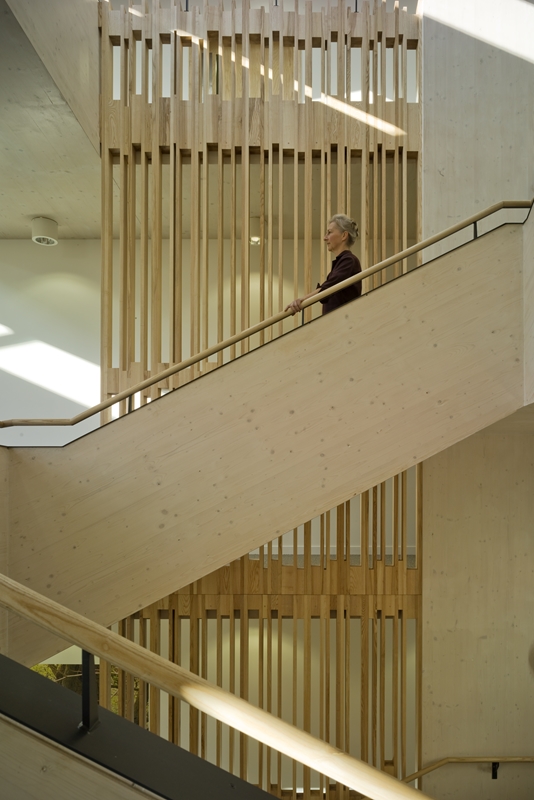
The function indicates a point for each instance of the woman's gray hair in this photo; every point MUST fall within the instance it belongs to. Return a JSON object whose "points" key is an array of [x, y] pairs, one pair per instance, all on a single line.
{"points": [[347, 224]]}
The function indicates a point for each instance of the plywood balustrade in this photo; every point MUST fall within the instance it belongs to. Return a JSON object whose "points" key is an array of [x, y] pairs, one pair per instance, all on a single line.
{"points": [[217, 122], [321, 627]]}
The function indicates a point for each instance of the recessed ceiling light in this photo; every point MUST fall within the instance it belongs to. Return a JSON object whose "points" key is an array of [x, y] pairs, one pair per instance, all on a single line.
{"points": [[254, 231]]}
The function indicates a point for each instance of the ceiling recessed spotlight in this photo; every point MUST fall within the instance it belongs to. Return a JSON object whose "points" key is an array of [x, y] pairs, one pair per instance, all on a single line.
{"points": [[44, 231], [254, 231]]}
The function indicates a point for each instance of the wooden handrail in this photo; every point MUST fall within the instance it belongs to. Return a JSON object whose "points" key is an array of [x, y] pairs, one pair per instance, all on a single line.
{"points": [[201, 694], [267, 323], [468, 760]]}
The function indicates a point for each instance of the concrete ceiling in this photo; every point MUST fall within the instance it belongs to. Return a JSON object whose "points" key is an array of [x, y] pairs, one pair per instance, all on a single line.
{"points": [[48, 167]]}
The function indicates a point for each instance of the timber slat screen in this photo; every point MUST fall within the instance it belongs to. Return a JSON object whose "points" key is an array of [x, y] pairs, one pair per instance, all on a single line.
{"points": [[321, 627], [220, 126], [223, 123]]}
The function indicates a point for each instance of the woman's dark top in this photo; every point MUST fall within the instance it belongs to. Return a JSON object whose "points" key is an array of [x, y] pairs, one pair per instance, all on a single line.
{"points": [[343, 266]]}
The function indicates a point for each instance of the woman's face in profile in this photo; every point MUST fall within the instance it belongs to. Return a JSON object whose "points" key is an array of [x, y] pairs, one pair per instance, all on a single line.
{"points": [[333, 237]]}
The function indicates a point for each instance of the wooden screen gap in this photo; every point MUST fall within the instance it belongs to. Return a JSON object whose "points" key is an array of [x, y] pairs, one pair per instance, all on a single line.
{"points": [[395, 692], [156, 264], [195, 256], [382, 689], [220, 250], [233, 249], [295, 684], [269, 683], [296, 318], [270, 231], [153, 691], [131, 258], [204, 257], [143, 687], [204, 671], [231, 743], [280, 232], [176, 704], [375, 624], [107, 277], [307, 691], [262, 243], [144, 294]]}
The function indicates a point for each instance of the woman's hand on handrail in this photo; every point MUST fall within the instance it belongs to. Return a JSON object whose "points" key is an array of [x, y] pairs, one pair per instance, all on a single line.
{"points": [[296, 305]]}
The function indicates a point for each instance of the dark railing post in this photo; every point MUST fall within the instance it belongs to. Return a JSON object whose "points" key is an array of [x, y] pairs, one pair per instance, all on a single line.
{"points": [[494, 769], [475, 230], [89, 692], [130, 404]]}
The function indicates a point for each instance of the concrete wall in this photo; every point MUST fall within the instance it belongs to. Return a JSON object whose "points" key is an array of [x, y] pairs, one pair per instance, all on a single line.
{"points": [[478, 548], [478, 107], [4, 522], [528, 307], [478, 608], [49, 295]]}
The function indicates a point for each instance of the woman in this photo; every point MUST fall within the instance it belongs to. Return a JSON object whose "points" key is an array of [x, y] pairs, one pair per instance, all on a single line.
{"points": [[340, 235]]}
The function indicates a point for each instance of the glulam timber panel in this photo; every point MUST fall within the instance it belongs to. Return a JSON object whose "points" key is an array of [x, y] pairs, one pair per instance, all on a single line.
{"points": [[31, 765], [274, 437], [368, 551]]}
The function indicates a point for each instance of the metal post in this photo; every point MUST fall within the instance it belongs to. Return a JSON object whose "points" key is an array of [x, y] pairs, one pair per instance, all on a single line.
{"points": [[475, 228], [89, 693], [494, 769], [130, 404]]}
